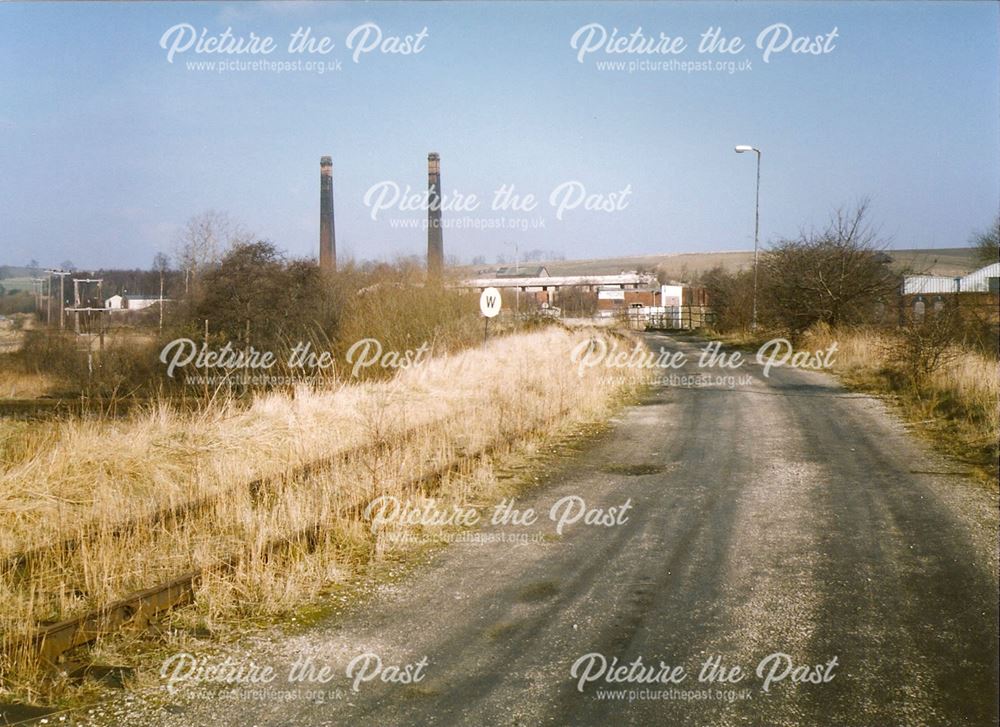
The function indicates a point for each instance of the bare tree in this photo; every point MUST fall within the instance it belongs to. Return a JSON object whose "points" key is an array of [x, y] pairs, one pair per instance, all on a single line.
{"points": [[987, 243], [925, 344], [203, 241], [838, 275], [731, 296], [257, 296], [576, 300], [161, 262]]}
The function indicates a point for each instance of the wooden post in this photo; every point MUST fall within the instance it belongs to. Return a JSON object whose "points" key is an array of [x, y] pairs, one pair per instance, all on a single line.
{"points": [[76, 305], [206, 346], [100, 318], [62, 302], [161, 298]]}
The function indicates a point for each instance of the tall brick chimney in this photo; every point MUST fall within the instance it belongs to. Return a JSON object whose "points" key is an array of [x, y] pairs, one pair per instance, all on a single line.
{"points": [[435, 240], [327, 234]]}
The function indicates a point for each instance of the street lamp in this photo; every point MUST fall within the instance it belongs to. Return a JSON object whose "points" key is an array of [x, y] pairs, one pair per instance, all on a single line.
{"points": [[756, 230]]}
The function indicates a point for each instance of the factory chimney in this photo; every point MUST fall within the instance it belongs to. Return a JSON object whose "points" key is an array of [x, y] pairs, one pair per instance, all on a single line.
{"points": [[327, 235], [435, 241]]}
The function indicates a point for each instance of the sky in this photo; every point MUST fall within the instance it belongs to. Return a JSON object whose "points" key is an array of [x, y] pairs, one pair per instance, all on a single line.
{"points": [[108, 144]]}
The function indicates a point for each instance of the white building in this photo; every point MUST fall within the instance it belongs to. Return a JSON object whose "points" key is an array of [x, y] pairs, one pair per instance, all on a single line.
{"points": [[546, 282], [130, 302], [984, 280]]}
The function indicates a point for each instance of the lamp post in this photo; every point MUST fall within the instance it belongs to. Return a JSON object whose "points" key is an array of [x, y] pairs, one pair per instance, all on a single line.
{"points": [[756, 230]]}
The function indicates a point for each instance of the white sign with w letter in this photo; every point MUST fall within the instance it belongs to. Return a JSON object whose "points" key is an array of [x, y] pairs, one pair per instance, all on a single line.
{"points": [[489, 302]]}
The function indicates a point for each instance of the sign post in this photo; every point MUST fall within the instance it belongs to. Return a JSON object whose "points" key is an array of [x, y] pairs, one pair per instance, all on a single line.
{"points": [[489, 304]]}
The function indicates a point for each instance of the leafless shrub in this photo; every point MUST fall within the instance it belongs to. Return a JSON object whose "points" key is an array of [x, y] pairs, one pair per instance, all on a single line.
{"points": [[835, 276], [204, 240], [925, 345], [577, 301], [731, 297], [987, 243]]}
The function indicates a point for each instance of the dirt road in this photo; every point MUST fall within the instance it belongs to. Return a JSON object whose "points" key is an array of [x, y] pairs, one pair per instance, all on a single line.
{"points": [[784, 516]]}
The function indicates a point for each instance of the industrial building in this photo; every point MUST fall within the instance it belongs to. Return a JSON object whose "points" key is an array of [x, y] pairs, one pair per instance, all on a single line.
{"points": [[633, 295], [545, 288], [984, 280], [131, 302]]}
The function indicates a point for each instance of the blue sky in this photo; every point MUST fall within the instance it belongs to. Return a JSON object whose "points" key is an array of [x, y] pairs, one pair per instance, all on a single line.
{"points": [[106, 148]]}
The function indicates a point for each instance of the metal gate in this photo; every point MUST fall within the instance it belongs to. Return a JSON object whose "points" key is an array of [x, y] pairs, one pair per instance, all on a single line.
{"points": [[669, 318]]}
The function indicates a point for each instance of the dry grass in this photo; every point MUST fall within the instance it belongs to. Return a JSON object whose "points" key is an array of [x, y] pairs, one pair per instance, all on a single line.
{"points": [[60, 479], [11, 339], [20, 385], [958, 403]]}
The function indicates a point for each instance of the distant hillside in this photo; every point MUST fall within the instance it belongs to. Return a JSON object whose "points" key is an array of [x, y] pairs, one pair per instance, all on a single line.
{"points": [[136, 282], [684, 266], [679, 266], [16, 277], [11, 285]]}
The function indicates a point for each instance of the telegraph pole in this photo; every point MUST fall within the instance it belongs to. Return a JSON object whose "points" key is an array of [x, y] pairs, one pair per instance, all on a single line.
{"points": [[62, 295], [36, 286], [161, 298]]}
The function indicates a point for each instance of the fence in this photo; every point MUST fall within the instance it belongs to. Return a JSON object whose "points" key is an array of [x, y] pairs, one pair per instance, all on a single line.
{"points": [[981, 308], [671, 318]]}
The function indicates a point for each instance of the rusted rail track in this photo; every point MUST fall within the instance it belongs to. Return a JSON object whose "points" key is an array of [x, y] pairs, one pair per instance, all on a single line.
{"points": [[176, 514], [48, 643]]}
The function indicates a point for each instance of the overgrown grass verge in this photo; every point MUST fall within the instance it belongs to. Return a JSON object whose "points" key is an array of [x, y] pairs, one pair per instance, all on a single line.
{"points": [[15, 384], [957, 405], [84, 478]]}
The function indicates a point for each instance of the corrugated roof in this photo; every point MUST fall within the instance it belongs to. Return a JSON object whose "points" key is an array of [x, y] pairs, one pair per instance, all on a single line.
{"points": [[520, 271], [977, 281]]}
